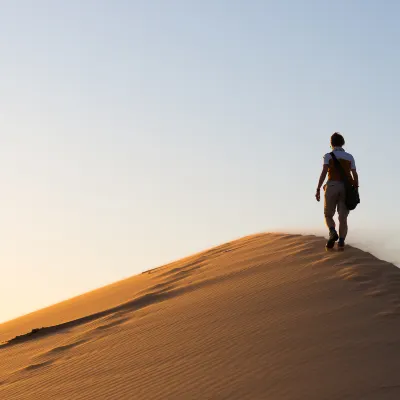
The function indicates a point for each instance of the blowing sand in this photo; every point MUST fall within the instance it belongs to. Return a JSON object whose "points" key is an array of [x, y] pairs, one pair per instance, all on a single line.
{"points": [[265, 317]]}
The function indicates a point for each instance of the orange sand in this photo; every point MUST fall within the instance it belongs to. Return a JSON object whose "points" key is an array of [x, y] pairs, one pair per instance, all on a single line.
{"points": [[265, 317]]}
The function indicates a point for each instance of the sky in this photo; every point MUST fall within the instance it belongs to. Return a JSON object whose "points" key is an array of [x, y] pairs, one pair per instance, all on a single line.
{"points": [[134, 133]]}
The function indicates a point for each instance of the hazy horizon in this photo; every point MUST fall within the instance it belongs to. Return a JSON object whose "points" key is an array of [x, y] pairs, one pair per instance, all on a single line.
{"points": [[136, 133]]}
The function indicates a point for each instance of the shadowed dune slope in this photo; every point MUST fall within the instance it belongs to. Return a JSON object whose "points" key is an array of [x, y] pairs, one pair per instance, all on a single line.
{"points": [[269, 316]]}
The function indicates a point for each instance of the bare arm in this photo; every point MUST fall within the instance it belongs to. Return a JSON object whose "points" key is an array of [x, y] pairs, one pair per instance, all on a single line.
{"points": [[321, 181], [355, 177]]}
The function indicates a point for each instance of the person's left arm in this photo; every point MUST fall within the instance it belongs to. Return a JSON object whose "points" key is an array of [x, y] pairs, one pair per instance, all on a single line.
{"points": [[321, 181]]}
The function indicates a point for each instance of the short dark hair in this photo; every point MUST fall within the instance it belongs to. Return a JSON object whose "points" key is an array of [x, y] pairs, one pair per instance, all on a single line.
{"points": [[337, 140]]}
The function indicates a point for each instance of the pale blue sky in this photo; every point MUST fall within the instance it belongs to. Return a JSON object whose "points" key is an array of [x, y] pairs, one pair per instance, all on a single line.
{"points": [[137, 132]]}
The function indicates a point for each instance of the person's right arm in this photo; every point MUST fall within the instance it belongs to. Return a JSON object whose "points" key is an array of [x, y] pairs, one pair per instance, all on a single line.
{"points": [[355, 177], [354, 172]]}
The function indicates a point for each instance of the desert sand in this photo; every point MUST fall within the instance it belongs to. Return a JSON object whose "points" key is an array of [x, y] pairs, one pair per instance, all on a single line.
{"points": [[269, 316]]}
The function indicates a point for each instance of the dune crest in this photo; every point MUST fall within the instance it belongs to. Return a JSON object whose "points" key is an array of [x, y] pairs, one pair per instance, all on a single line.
{"points": [[269, 316]]}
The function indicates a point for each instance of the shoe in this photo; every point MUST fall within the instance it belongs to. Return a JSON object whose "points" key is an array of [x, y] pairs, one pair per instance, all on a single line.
{"points": [[340, 244], [333, 237]]}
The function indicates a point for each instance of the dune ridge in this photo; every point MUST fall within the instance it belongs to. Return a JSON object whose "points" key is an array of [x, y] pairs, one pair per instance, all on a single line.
{"points": [[268, 316]]}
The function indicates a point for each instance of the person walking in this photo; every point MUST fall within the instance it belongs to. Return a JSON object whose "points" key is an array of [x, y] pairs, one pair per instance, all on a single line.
{"points": [[335, 189]]}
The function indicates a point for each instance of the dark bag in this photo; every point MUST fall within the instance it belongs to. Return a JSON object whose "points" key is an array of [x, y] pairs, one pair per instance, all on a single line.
{"points": [[352, 195]]}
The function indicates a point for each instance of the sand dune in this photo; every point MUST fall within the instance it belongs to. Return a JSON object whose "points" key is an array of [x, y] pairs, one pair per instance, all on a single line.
{"points": [[265, 317]]}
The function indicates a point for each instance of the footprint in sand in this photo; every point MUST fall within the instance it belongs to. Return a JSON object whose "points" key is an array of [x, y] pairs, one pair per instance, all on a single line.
{"points": [[111, 324], [60, 349], [393, 313], [33, 367]]}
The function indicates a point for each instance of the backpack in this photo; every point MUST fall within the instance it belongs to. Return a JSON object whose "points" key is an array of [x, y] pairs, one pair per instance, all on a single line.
{"points": [[352, 195]]}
